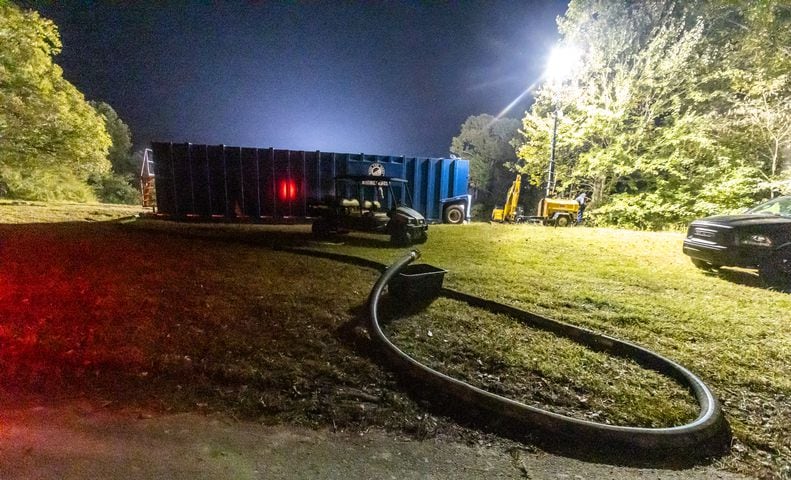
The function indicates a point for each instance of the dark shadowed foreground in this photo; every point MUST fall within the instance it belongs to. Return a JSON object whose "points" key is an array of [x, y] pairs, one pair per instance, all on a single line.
{"points": [[223, 323]]}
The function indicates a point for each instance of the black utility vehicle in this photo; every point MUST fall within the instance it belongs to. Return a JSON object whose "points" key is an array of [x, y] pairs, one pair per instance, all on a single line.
{"points": [[759, 238], [357, 205]]}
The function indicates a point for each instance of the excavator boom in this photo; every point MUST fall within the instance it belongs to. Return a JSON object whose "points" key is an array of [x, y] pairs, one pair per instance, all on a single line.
{"points": [[509, 211]]}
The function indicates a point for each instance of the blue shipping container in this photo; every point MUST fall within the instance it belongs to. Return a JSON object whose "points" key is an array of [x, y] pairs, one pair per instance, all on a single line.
{"points": [[268, 184]]}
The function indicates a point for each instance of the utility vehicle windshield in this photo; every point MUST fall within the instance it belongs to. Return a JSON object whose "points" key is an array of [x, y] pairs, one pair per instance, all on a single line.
{"points": [[385, 192], [778, 206]]}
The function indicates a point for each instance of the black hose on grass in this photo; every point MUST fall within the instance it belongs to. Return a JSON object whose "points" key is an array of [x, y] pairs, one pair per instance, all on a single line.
{"points": [[707, 434], [694, 438]]}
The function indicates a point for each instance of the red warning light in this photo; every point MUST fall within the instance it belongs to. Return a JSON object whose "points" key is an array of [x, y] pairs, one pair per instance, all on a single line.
{"points": [[288, 190]]}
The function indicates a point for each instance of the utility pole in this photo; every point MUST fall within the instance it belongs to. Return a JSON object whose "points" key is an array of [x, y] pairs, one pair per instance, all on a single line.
{"points": [[563, 62], [551, 173]]}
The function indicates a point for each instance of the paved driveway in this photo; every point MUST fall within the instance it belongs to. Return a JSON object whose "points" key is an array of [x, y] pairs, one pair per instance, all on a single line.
{"points": [[81, 441]]}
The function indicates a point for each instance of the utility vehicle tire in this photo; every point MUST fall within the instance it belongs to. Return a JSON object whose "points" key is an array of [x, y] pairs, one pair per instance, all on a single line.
{"points": [[454, 214], [776, 271], [420, 237], [321, 228], [562, 221], [401, 238]]}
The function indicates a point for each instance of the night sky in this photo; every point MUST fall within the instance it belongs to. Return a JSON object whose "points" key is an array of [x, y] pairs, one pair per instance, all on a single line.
{"points": [[394, 78]]}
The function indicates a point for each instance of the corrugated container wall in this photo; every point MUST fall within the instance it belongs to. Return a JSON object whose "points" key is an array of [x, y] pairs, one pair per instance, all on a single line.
{"points": [[218, 181]]}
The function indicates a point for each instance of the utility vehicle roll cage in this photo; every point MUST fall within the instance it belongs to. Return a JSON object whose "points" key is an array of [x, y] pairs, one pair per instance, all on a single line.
{"points": [[373, 181]]}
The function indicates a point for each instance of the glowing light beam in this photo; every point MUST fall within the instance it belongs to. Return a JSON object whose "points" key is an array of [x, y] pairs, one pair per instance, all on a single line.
{"points": [[515, 101]]}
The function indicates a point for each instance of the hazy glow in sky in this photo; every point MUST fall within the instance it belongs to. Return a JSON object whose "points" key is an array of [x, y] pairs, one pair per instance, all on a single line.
{"points": [[391, 78]]}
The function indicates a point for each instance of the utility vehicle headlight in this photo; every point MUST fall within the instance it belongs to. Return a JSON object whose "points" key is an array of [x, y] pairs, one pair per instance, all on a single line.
{"points": [[757, 240]]}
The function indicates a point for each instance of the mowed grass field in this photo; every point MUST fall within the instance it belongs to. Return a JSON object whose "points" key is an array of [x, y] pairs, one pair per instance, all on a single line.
{"points": [[221, 318], [19, 211]]}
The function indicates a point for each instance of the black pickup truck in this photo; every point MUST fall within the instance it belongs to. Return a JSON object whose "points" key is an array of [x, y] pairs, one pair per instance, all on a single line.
{"points": [[760, 238]]}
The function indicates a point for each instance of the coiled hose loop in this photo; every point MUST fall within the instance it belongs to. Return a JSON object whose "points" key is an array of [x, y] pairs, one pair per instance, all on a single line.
{"points": [[707, 428]]}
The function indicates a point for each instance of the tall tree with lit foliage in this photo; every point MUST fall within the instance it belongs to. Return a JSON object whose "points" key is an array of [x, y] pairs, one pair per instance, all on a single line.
{"points": [[51, 139], [672, 113]]}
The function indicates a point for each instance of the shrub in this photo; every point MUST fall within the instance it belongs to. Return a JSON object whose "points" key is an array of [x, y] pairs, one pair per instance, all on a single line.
{"points": [[45, 185], [114, 188]]}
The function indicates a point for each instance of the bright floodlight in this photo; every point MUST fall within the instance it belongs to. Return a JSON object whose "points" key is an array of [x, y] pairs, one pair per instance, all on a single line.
{"points": [[563, 60]]}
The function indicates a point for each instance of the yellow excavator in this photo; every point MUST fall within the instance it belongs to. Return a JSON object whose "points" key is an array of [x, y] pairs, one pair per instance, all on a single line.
{"points": [[510, 211], [551, 211]]}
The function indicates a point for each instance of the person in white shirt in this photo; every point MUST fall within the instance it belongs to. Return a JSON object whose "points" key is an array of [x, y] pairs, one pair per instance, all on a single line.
{"points": [[583, 200]]}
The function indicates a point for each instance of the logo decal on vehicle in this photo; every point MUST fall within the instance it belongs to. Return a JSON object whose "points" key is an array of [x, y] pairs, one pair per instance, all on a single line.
{"points": [[376, 170]]}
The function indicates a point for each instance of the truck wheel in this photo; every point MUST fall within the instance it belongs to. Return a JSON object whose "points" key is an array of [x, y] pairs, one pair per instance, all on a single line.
{"points": [[776, 271], [454, 214]]}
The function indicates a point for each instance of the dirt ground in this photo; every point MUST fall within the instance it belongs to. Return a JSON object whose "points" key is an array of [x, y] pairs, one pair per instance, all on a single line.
{"points": [[83, 440]]}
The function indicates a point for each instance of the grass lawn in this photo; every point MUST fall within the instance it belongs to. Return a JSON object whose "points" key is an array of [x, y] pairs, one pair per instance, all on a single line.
{"points": [[16, 211], [186, 317]]}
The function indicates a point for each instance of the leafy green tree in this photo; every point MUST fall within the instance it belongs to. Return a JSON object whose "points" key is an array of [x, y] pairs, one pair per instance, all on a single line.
{"points": [[673, 113], [486, 142], [118, 185], [51, 140], [755, 65], [120, 153]]}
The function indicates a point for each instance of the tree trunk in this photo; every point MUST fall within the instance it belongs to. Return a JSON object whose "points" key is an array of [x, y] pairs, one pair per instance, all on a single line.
{"points": [[599, 187], [775, 156]]}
